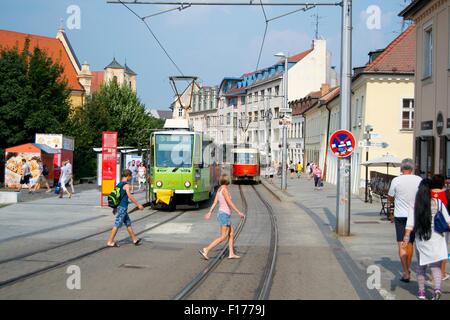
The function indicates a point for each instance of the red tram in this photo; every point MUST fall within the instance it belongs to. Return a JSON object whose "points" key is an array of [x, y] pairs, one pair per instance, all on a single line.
{"points": [[246, 165]]}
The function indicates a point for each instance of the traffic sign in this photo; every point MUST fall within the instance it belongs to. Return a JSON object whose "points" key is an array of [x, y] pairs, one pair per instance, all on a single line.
{"points": [[376, 136], [285, 110], [370, 144], [342, 143]]}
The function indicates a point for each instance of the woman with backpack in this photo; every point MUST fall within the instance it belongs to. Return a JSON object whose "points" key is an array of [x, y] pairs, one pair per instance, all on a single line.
{"points": [[223, 199], [431, 246]]}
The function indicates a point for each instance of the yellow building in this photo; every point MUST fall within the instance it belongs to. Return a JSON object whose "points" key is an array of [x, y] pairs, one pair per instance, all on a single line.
{"points": [[432, 130], [382, 97]]}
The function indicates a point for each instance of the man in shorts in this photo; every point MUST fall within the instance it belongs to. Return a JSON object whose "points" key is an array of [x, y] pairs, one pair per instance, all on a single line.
{"points": [[41, 178], [402, 192]]}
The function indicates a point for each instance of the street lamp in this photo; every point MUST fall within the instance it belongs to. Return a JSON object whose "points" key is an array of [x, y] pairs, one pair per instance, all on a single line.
{"points": [[284, 127]]}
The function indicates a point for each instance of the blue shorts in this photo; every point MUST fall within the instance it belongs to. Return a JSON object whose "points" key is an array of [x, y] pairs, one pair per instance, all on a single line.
{"points": [[224, 219], [122, 217]]}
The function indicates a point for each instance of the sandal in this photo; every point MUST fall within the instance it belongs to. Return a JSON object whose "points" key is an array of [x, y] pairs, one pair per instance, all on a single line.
{"points": [[202, 252], [114, 245], [138, 242]]}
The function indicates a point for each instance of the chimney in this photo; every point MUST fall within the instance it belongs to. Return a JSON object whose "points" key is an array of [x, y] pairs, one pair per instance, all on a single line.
{"points": [[324, 89]]}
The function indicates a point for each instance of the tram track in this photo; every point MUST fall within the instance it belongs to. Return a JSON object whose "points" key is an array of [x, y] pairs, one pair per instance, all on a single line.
{"points": [[263, 290], [13, 280], [66, 243]]}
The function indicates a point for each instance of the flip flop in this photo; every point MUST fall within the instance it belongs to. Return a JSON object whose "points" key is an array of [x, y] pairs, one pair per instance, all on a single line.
{"points": [[203, 255], [234, 257], [115, 245], [138, 242]]}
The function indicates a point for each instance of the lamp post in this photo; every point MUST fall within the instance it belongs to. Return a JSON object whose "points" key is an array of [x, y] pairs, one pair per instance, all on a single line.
{"points": [[284, 127]]}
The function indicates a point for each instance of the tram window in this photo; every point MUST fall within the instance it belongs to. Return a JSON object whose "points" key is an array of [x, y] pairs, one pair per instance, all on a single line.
{"points": [[245, 158], [174, 151]]}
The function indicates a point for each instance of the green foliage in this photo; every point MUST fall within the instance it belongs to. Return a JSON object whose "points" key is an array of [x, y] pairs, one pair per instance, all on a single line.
{"points": [[113, 108], [33, 96]]}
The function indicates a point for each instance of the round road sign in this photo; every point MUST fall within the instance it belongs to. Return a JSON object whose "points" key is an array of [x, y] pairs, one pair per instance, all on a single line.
{"points": [[342, 143]]}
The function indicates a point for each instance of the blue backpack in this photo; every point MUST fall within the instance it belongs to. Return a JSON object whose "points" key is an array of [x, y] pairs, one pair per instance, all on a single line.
{"points": [[440, 225]]}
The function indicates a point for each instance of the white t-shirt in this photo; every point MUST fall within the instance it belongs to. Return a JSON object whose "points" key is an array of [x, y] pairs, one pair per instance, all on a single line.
{"points": [[69, 169], [404, 189]]}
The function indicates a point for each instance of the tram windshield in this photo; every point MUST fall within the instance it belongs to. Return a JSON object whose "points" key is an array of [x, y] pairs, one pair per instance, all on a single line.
{"points": [[245, 158], [174, 151]]}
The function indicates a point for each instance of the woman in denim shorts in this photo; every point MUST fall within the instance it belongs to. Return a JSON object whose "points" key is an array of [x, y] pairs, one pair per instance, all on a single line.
{"points": [[224, 217]]}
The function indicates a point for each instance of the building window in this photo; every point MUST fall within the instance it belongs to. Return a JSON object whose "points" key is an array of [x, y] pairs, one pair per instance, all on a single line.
{"points": [[408, 114], [250, 98], [277, 91], [262, 95], [228, 118], [180, 112], [428, 52], [242, 100], [256, 96]]}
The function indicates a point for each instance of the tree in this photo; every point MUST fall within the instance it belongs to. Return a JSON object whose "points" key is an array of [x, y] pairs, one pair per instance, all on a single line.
{"points": [[34, 96], [113, 108]]}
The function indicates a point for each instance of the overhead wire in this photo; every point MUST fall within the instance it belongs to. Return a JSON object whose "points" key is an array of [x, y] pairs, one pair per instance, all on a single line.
{"points": [[155, 37]]}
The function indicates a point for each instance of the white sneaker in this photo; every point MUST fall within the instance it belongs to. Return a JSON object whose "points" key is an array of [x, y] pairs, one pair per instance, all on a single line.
{"points": [[446, 277]]}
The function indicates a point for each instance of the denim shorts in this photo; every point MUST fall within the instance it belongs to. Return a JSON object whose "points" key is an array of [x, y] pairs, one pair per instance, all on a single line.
{"points": [[122, 217], [224, 219]]}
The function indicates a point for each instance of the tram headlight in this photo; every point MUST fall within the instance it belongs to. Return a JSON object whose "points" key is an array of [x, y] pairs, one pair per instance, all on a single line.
{"points": [[187, 184], [159, 184]]}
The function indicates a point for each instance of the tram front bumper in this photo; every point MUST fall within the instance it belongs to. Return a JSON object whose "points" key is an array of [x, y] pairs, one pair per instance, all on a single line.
{"points": [[164, 196]]}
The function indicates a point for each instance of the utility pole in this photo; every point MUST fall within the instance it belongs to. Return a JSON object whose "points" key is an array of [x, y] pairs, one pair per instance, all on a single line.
{"points": [[284, 126], [343, 201]]}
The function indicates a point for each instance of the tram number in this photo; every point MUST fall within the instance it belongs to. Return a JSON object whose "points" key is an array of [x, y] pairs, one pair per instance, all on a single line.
{"points": [[246, 309]]}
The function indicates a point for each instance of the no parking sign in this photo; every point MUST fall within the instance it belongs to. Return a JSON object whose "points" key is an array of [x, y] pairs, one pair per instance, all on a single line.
{"points": [[342, 143]]}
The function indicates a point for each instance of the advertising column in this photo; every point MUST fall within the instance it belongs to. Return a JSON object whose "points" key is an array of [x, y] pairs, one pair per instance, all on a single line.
{"points": [[109, 159]]}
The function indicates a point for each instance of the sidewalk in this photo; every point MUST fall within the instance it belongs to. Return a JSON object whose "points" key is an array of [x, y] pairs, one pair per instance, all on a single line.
{"points": [[372, 243], [34, 218]]}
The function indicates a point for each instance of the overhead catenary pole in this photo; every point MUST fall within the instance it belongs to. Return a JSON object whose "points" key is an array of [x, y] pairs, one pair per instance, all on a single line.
{"points": [[284, 126], [343, 204]]}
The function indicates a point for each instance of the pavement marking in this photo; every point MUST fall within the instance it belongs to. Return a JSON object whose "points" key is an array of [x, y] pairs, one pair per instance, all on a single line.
{"points": [[172, 228]]}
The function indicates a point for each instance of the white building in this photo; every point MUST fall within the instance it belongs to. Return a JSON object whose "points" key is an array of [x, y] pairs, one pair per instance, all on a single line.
{"points": [[249, 108]]}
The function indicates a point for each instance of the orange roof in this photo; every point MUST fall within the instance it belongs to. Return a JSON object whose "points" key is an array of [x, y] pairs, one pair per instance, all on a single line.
{"points": [[300, 56], [28, 147], [97, 80], [52, 46], [399, 55]]}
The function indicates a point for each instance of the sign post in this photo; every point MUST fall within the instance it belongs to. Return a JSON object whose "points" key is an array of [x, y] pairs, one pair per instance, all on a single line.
{"points": [[109, 160]]}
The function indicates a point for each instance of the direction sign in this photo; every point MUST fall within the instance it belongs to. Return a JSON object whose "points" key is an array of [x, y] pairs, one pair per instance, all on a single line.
{"points": [[370, 144], [376, 136], [342, 143]]}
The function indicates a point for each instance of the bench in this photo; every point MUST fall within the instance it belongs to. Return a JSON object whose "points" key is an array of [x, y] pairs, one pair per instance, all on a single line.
{"points": [[88, 180]]}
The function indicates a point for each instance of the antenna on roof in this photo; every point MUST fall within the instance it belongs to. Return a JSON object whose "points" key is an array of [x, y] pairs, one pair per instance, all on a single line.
{"points": [[317, 19]]}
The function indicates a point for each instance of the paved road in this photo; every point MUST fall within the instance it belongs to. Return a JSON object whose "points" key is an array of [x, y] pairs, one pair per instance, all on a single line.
{"points": [[312, 263]]}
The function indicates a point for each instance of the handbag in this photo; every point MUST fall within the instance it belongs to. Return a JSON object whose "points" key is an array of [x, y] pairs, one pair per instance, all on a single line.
{"points": [[440, 225]]}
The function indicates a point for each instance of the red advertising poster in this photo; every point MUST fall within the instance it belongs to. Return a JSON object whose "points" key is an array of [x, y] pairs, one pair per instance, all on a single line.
{"points": [[109, 159]]}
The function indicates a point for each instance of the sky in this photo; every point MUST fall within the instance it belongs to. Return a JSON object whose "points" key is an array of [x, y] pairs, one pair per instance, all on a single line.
{"points": [[208, 42]]}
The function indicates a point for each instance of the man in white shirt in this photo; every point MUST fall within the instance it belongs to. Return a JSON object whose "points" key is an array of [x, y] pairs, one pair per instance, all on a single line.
{"points": [[403, 191]]}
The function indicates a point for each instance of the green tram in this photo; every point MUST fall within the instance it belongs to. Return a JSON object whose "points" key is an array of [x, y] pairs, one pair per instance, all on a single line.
{"points": [[183, 167]]}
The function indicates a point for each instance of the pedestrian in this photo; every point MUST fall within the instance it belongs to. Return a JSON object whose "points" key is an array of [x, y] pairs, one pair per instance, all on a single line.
{"points": [[279, 169], [142, 174], [292, 169], [317, 173], [403, 191], [225, 202], [438, 191], [42, 178], [69, 175], [299, 170], [134, 170], [63, 179], [121, 212], [25, 177], [431, 246]]}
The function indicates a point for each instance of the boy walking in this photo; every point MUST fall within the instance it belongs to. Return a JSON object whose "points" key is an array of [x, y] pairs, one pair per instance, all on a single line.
{"points": [[122, 211]]}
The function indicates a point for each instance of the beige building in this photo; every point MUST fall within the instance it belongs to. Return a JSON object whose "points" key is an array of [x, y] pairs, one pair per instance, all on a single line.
{"points": [[432, 130], [383, 97]]}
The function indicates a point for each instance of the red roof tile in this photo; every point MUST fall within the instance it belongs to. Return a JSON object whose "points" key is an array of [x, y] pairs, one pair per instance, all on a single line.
{"points": [[97, 80], [399, 55], [300, 56], [52, 46]]}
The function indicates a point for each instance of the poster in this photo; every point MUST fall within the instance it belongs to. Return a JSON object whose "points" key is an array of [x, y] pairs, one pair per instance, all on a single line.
{"points": [[13, 167], [109, 160]]}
